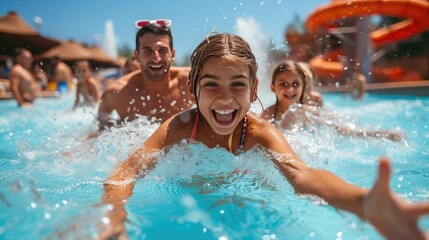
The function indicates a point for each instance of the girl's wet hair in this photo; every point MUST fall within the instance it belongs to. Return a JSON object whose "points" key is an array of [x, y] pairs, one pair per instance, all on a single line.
{"points": [[224, 45], [293, 66]]}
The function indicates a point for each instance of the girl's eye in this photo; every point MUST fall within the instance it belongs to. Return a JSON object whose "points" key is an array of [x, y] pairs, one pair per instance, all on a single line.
{"points": [[295, 84], [238, 84], [210, 84]]}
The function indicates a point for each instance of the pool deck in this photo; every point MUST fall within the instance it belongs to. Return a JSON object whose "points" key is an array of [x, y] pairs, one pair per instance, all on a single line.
{"points": [[416, 88], [43, 94]]}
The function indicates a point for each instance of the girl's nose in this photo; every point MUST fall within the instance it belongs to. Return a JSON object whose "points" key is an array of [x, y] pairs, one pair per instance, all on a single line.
{"points": [[224, 97]]}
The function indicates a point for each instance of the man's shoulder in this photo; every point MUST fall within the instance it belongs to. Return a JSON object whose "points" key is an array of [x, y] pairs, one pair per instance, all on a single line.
{"points": [[120, 83], [16, 70], [181, 70]]}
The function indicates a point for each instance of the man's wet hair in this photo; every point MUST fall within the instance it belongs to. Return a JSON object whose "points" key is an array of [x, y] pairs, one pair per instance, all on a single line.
{"points": [[151, 28]]}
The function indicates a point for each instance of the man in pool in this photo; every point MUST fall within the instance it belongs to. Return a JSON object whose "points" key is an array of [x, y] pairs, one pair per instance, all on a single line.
{"points": [[23, 83], [158, 90]]}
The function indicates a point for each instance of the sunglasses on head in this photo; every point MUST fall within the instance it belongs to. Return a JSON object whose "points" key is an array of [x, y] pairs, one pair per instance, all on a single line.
{"points": [[157, 22]]}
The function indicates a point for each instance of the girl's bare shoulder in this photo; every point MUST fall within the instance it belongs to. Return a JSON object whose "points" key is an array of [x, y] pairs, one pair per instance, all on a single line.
{"points": [[260, 130], [172, 131]]}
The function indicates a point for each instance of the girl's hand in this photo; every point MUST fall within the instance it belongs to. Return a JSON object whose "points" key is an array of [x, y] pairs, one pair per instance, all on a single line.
{"points": [[391, 216], [113, 230]]}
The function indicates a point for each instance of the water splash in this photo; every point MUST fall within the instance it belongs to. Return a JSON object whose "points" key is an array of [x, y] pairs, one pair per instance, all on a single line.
{"points": [[249, 29], [109, 40]]}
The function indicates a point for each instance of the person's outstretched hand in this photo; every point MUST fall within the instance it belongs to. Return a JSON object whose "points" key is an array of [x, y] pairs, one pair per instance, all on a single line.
{"points": [[113, 230], [391, 216]]}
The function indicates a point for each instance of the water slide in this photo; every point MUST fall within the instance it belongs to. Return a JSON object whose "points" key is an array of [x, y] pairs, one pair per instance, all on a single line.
{"points": [[416, 13]]}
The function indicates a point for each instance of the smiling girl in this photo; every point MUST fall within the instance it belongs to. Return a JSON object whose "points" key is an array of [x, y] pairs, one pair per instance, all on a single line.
{"points": [[223, 82], [290, 82]]}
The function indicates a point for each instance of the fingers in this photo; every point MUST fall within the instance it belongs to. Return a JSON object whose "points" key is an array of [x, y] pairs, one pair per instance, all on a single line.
{"points": [[384, 173], [418, 209]]}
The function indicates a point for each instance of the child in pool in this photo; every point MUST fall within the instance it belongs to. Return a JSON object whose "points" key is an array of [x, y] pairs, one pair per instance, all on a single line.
{"points": [[87, 85], [289, 82], [224, 83]]}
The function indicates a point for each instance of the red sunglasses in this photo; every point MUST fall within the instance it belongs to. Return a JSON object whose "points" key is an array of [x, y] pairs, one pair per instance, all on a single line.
{"points": [[157, 22]]}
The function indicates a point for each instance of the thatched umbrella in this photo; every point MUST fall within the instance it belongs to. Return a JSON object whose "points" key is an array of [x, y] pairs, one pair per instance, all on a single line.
{"points": [[71, 51], [68, 51], [16, 33], [100, 59]]}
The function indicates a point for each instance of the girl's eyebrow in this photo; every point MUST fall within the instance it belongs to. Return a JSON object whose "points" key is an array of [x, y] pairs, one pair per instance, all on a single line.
{"points": [[211, 76]]}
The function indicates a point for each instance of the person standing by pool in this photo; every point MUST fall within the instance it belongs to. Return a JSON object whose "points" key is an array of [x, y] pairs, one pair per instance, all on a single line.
{"points": [[224, 83], [290, 83], [158, 90], [87, 86], [22, 82]]}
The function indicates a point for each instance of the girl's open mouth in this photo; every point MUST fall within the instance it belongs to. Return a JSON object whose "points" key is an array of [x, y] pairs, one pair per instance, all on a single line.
{"points": [[224, 116], [290, 96]]}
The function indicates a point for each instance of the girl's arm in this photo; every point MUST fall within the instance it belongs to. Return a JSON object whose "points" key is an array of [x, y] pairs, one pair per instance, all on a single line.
{"points": [[77, 98], [119, 187], [95, 90], [391, 216], [330, 120]]}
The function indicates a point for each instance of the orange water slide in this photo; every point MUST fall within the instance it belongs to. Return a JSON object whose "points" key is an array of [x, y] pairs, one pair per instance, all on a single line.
{"points": [[416, 13]]}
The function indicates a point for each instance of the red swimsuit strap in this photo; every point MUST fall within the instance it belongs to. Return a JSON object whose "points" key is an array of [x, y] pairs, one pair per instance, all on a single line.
{"points": [[194, 130]]}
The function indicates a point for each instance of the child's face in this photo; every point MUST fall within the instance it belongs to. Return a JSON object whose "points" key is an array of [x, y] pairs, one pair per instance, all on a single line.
{"points": [[288, 87], [223, 94], [81, 72]]}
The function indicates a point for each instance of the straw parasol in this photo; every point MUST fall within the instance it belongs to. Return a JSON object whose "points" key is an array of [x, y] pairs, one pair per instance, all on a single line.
{"points": [[67, 51], [100, 58], [71, 51], [16, 33]]}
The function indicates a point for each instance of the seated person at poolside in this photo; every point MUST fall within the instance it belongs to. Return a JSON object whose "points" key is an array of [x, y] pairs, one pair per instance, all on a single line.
{"points": [[157, 91], [60, 74], [22, 82], [224, 83], [131, 65], [288, 82], [87, 86]]}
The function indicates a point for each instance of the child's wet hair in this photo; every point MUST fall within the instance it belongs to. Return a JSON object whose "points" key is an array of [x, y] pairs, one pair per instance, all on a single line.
{"points": [[292, 66], [222, 45]]}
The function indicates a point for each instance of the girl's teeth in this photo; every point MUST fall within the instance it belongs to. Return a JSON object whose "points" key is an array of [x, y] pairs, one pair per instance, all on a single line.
{"points": [[224, 111]]}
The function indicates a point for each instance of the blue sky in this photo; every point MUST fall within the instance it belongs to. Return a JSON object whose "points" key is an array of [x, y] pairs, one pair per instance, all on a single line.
{"points": [[84, 20]]}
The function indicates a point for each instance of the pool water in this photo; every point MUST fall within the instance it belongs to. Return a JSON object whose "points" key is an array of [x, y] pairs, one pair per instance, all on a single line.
{"points": [[51, 178]]}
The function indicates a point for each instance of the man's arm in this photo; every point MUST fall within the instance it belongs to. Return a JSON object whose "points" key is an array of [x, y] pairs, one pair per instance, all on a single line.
{"points": [[393, 217], [15, 78]]}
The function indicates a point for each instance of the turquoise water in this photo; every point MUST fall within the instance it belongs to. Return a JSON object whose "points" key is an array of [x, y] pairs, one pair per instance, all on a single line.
{"points": [[51, 180]]}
